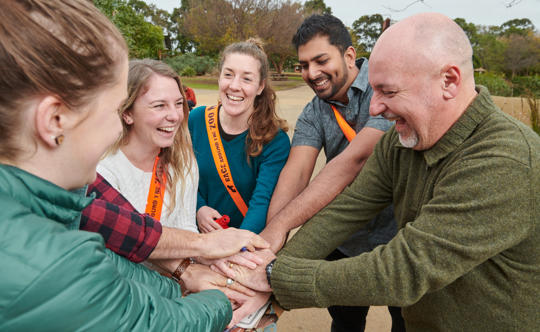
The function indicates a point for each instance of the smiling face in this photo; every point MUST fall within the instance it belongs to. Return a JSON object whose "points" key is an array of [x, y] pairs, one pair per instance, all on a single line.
{"points": [[406, 94], [325, 69], [239, 84], [156, 114]]}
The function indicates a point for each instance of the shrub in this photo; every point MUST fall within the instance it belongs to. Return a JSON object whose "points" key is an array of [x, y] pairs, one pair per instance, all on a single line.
{"points": [[526, 86], [188, 71], [496, 84], [199, 64]]}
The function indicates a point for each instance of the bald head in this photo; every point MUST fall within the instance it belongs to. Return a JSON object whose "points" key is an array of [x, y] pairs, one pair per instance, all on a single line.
{"points": [[427, 39], [422, 77]]}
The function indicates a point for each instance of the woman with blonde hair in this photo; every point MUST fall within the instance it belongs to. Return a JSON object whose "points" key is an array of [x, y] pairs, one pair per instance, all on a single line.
{"points": [[154, 152], [63, 76], [240, 144]]}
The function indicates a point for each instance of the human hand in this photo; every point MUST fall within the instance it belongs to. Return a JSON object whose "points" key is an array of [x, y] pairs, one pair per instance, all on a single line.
{"points": [[205, 219], [255, 279], [246, 258], [198, 277], [275, 236], [227, 242], [251, 305]]}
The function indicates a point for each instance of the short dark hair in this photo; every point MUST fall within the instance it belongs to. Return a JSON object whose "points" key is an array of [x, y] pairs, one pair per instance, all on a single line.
{"points": [[323, 25]]}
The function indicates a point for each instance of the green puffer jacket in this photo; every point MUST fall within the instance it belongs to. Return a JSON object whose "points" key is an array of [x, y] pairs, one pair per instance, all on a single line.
{"points": [[57, 278]]}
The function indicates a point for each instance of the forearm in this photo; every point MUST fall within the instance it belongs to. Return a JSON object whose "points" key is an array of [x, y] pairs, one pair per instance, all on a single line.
{"points": [[324, 188], [178, 243]]}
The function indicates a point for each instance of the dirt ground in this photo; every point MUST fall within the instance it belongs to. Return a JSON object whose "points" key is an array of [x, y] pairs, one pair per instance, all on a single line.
{"points": [[290, 104]]}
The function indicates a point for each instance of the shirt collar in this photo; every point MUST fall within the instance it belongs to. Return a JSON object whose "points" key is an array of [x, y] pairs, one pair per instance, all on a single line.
{"points": [[360, 82], [477, 111]]}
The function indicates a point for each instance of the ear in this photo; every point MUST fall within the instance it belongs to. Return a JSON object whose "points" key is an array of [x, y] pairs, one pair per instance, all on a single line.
{"points": [[350, 57], [52, 118], [451, 80], [261, 88], [126, 116]]}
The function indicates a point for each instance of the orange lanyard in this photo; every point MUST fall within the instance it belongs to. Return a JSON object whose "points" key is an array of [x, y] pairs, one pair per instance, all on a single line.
{"points": [[154, 202], [345, 128], [220, 159]]}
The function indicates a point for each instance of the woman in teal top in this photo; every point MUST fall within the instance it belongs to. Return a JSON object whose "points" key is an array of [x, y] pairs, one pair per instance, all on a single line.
{"points": [[253, 138]]}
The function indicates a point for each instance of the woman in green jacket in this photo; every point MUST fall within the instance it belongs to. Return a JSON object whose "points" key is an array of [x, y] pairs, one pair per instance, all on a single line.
{"points": [[63, 76]]}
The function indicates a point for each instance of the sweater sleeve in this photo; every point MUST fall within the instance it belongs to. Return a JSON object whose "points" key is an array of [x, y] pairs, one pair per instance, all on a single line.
{"points": [[101, 292], [466, 223], [274, 156]]}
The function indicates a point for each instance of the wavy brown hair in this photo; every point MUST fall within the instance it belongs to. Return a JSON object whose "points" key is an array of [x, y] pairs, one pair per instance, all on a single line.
{"points": [[177, 157], [264, 123]]}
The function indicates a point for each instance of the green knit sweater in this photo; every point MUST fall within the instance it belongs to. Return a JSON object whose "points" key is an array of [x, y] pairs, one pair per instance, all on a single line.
{"points": [[467, 256]]}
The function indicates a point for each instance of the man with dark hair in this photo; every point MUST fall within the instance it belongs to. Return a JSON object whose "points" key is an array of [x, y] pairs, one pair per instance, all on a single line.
{"points": [[340, 82]]}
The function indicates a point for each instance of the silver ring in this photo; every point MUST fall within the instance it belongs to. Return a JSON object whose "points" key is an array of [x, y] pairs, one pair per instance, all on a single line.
{"points": [[229, 282]]}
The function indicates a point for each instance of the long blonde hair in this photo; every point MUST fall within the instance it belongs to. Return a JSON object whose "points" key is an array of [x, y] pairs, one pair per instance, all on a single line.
{"points": [[179, 157]]}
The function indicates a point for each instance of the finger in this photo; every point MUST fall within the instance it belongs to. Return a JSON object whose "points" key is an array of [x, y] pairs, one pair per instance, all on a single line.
{"points": [[216, 269], [238, 315], [236, 286], [225, 268], [246, 259], [234, 296], [258, 243]]}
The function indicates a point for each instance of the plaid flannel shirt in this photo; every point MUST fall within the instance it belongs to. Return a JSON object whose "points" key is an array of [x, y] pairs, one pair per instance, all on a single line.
{"points": [[126, 231]]}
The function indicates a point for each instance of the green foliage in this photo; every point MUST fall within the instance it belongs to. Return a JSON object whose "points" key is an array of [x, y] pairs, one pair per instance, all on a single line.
{"points": [[198, 65], [144, 39], [526, 85], [188, 71], [317, 7], [495, 83], [517, 26], [366, 30]]}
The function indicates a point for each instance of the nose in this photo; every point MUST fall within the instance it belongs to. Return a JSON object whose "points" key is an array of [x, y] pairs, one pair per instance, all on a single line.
{"points": [[313, 72], [235, 83], [175, 114], [376, 107]]}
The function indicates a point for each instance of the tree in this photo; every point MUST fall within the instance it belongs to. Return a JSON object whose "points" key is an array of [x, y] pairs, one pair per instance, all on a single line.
{"points": [[489, 51], [366, 30], [214, 24], [316, 7], [144, 39], [522, 53], [520, 26]]}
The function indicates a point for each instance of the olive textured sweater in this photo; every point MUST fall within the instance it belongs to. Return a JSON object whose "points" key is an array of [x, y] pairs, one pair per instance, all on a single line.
{"points": [[467, 256]]}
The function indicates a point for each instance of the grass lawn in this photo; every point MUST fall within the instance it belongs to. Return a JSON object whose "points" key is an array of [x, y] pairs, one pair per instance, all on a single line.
{"points": [[210, 82]]}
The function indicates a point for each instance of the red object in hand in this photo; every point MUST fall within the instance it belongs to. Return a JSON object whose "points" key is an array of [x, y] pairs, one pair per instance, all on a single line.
{"points": [[223, 221]]}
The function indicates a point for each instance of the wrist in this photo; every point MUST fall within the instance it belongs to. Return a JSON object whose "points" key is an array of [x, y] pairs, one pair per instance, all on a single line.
{"points": [[179, 271], [268, 270]]}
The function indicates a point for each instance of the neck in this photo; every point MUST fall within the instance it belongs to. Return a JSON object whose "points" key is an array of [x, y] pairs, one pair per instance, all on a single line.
{"points": [[141, 156], [234, 125]]}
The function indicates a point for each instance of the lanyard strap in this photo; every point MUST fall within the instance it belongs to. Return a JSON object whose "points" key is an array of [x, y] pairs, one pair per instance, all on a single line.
{"points": [[345, 128], [220, 158], [154, 202]]}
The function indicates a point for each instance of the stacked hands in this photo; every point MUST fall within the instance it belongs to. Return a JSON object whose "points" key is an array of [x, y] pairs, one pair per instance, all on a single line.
{"points": [[241, 275]]}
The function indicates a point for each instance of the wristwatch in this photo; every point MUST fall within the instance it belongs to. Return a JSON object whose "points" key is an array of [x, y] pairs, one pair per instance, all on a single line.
{"points": [[269, 271]]}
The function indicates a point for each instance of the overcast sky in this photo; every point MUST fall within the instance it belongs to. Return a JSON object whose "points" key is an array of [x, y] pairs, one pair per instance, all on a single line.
{"points": [[484, 12]]}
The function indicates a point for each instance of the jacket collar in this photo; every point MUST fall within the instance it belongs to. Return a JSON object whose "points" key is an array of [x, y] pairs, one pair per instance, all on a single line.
{"points": [[43, 197]]}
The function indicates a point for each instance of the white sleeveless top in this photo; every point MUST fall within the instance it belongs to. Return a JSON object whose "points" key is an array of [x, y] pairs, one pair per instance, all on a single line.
{"points": [[134, 184]]}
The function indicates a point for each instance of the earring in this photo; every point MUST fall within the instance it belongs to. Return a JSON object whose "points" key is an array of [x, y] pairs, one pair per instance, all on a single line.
{"points": [[59, 139]]}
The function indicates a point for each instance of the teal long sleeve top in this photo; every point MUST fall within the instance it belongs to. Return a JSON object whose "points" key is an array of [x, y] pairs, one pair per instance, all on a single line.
{"points": [[254, 177]]}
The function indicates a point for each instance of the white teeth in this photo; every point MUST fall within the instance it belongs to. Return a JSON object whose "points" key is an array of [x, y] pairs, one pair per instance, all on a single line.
{"points": [[167, 129], [235, 98], [321, 83]]}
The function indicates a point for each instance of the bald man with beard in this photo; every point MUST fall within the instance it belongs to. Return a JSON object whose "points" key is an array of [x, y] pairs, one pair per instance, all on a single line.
{"points": [[463, 178]]}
